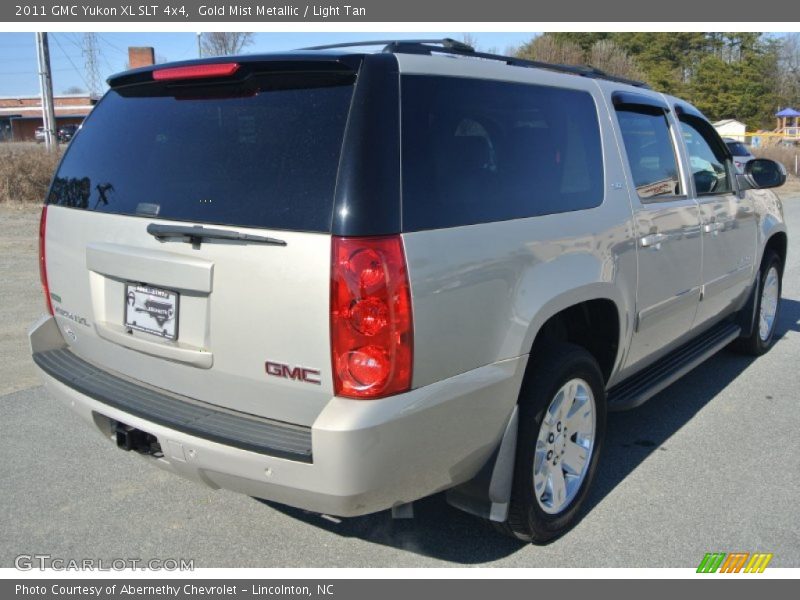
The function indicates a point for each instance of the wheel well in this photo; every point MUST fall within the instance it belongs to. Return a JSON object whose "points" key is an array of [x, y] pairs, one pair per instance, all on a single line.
{"points": [[593, 325], [778, 244]]}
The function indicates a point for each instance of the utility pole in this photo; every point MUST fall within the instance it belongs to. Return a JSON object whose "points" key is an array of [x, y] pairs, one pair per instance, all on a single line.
{"points": [[199, 44], [46, 85]]}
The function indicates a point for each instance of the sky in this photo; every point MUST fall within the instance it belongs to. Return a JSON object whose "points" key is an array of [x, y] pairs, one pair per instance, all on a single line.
{"points": [[18, 70]]}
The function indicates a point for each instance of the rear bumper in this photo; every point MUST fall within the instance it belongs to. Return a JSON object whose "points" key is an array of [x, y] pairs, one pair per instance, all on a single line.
{"points": [[366, 456]]}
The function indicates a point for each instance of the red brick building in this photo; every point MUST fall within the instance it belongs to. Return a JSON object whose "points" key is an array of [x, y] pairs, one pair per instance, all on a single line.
{"points": [[20, 116]]}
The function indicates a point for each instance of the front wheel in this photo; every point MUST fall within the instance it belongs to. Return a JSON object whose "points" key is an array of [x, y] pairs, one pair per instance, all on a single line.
{"points": [[768, 303], [561, 431]]}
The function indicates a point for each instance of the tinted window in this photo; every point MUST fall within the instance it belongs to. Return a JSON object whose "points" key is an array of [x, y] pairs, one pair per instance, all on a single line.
{"points": [[707, 157], [738, 149], [651, 153], [256, 156], [476, 151]]}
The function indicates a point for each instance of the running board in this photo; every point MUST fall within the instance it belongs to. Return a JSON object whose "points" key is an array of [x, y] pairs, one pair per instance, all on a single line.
{"points": [[644, 385]]}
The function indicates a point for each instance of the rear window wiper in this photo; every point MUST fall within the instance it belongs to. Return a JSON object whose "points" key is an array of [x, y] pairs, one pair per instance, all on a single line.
{"points": [[195, 234]]}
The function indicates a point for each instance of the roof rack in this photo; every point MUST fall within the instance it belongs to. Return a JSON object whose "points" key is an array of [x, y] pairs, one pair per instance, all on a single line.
{"points": [[451, 46]]}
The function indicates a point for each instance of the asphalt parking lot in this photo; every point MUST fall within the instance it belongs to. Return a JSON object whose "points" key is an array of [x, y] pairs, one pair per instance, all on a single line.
{"points": [[710, 464]]}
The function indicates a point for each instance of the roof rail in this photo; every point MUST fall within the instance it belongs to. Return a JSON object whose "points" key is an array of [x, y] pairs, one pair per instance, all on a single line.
{"points": [[447, 44], [451, 46]]}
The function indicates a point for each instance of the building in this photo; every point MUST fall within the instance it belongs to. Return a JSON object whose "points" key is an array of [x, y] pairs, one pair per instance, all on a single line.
{"points": [[21, 115], [731, 128]]}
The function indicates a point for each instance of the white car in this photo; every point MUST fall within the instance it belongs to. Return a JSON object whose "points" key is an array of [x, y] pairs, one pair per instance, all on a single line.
{"points": [[741, 155]]}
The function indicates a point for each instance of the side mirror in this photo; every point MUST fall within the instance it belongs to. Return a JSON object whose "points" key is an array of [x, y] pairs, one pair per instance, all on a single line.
{"points": [[762, 173]]}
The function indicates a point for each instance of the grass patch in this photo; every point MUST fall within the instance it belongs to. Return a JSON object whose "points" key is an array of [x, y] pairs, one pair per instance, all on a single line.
{"points": [[25, 172], [782, 154]]}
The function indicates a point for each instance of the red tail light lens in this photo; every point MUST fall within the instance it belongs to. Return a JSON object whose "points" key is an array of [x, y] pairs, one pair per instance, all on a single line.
{"points": [[371, 325], [196, 71], [43, 260]]}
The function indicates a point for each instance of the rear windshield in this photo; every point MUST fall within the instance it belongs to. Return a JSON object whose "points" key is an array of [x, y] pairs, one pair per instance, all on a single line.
{"points": [[477, 151], [254, 156], [738, 149]]}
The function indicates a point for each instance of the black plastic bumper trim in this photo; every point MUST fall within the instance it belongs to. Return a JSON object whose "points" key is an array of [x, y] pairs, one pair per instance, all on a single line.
{"points": [[248, 432]]}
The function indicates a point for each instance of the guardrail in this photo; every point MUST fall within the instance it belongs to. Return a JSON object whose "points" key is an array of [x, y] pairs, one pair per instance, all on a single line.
{"points": [[789, 134]]}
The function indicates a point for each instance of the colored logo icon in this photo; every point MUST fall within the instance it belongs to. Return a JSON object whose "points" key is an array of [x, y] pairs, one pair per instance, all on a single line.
{"points": [[735, 562]]}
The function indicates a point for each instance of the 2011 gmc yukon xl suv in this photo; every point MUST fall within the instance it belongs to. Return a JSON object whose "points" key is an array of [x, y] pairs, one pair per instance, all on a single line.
{"points": [[346, 280]]}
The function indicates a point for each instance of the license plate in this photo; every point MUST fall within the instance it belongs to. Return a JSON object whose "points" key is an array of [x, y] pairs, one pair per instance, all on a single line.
{"points": [[152, 310]]}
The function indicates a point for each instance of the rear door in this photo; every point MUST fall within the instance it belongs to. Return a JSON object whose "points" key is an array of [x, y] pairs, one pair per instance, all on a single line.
{"points": [[238, 316]]}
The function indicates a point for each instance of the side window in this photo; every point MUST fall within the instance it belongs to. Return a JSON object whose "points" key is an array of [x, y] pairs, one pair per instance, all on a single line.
{"points": [[478, 151], [651, 153], [711, 169]]}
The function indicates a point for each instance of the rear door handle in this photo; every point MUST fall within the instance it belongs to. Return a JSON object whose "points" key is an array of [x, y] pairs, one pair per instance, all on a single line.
{"points": [[653, 240]]}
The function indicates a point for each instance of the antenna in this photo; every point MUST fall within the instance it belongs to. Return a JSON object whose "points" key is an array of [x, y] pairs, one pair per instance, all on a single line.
{"points": [[90, 51]]}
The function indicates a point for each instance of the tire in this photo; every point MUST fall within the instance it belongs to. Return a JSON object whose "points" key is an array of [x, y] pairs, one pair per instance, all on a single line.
{"points": [[768, 302], [543, 519]]}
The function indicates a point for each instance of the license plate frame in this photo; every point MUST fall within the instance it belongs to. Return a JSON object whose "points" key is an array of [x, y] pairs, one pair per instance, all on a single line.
{"points": [[153, 310]]}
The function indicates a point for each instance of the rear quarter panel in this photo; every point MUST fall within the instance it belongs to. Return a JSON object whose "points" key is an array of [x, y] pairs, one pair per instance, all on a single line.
{"points": [[482, 292]]}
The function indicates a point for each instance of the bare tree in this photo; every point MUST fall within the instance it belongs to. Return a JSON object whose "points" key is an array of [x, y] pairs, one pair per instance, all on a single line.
{"points": [[470, 39], [609, 57], [74, 89], [547, 48], [789, 70], [225, 43]]}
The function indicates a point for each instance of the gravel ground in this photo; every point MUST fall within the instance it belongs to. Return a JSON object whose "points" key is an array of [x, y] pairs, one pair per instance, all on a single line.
{"points": [[710, 464], [21, 298]]}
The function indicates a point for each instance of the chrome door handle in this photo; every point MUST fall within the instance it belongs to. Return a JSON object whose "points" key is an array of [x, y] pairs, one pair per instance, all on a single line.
{"points": [[653, 240], [713, 227]]}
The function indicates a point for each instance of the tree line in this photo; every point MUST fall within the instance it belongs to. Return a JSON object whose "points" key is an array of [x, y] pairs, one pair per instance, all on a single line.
{"points": [[744, 76]]}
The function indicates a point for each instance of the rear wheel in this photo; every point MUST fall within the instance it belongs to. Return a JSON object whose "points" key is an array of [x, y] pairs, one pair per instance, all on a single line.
{"points": [[767, 307], [561, 430]]}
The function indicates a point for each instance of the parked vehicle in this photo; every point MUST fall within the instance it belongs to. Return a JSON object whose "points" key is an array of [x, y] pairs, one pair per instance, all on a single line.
{"points": [[379, 276], [67, 132], [741, 154], [39, 135]]}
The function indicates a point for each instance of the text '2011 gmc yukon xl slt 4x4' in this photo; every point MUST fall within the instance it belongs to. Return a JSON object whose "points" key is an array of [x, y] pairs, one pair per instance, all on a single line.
{"points": [[344, 281]]}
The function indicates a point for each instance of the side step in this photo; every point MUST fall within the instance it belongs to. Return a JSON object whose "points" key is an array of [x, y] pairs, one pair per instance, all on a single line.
{"points": [[644, 385]]}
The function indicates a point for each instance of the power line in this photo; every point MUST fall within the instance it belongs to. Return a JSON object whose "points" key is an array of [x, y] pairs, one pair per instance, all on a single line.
{"points": [[108, 64], [112, 46], [28, 72], [74, 66]]}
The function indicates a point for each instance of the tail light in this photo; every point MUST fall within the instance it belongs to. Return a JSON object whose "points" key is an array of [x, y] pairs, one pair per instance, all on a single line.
{"points": [[371, 324], [43, 259], [196, 71]]}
